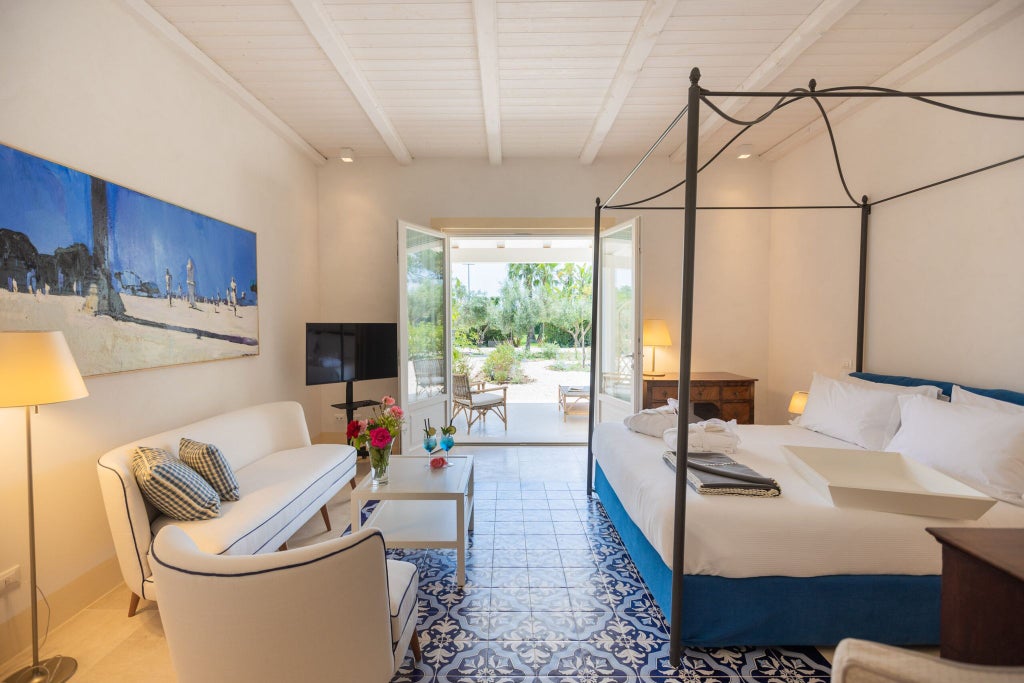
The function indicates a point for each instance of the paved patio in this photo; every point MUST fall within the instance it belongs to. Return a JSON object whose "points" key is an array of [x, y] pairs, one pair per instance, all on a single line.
{"points": [[527, 423]]}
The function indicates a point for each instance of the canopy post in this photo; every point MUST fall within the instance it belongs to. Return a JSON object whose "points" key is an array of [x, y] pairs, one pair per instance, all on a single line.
{"points": [[685, 358], [865, 211], [594, 290]]}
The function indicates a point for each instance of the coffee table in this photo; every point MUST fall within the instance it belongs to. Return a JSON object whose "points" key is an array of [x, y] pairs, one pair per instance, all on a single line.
{"points": [[420, 507]]}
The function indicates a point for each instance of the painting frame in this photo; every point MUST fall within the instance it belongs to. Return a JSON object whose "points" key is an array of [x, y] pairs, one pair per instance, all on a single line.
{"points": [[134, 282]]}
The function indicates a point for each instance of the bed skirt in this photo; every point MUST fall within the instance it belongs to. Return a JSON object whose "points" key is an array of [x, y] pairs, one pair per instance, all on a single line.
{"points": [[782, 610]]}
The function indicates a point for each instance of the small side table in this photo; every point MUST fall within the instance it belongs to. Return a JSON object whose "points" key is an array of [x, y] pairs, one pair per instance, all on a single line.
{"points": [[982, 595], [420, 507]]}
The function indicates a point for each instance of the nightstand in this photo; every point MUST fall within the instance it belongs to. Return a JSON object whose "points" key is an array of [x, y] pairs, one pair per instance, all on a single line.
{"points": [[982, 595], [714, 394]]}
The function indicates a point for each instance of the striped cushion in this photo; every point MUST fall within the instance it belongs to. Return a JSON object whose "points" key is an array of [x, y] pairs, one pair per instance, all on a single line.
{"points": [[210, 463], [172, 487]]}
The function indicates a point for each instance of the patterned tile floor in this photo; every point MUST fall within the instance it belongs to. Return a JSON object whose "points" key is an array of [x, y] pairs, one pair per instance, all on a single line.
{"points": [[552, 596]]}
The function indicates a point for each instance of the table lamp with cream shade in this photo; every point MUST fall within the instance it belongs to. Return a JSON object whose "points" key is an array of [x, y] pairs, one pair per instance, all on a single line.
{"points": [[37, 368], [655, 334], [797, 403]]}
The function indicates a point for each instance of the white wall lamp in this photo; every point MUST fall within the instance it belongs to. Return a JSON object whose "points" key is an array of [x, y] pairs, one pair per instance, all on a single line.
{"points": [[347, 155], [744, 151]]}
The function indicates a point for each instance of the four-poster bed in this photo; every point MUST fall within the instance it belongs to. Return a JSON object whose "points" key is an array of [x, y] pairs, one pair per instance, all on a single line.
{"points": [[898, 607]]}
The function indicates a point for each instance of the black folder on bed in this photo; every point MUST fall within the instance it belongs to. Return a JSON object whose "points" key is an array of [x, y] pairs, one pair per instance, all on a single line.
{"points": [[718, 474]]}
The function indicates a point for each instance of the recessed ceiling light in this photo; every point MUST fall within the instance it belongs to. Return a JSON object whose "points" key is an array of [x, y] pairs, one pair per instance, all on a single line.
{"points": [[347, 155], [744, 151]]}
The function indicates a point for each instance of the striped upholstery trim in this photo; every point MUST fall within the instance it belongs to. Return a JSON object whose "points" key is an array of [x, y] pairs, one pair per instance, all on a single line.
{"points": [[210, 463], [173, 488]]}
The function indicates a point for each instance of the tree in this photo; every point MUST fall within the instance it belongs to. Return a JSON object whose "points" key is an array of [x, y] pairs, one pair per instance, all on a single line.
{"points": [[540, 280], [472, 313], [572, 308], [516, 312]]}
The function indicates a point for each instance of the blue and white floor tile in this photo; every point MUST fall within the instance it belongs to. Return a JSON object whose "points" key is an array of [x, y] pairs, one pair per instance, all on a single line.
{"points": [[552, 596]]}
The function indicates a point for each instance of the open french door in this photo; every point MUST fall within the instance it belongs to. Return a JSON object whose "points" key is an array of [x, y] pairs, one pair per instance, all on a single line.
{"points": [[619, 351], [424, 341]]}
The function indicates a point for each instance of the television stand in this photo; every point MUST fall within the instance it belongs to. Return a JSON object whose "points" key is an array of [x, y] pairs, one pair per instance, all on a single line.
{"points": [[350, 406]]}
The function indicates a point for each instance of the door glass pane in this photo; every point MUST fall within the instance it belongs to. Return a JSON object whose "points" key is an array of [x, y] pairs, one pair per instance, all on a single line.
{"points": [[425, 290], [617, 314]]}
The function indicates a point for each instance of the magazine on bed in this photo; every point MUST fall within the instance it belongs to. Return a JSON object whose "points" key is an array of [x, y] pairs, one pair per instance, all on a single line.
{"points": [[718, 474]]}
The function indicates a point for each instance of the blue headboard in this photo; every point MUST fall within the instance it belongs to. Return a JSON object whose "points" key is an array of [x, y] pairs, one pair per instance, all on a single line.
{"points": [[947, 387]]}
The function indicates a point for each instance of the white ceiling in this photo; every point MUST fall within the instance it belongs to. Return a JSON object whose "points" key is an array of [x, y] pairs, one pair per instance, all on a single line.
{"points": [[549, 78]]}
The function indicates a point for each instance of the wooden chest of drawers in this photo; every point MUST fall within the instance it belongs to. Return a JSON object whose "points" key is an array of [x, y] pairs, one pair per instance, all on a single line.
{"points": [[714, 394]]}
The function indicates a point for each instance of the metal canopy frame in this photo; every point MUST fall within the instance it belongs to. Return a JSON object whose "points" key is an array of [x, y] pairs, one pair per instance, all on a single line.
{"points": [[696, 95]]}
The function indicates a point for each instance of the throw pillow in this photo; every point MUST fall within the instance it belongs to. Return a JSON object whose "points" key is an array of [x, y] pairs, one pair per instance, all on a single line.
{"points": [[172, 487], [982, 448], [210, 463]]}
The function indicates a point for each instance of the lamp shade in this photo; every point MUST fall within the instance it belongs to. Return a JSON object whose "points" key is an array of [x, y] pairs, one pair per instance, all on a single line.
{"points": [[656, 333], [37, 368], [798, 402]]}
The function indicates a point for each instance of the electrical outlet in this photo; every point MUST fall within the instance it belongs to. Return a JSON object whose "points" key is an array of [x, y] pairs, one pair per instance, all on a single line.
{"points": [[847, 364], [10, 577]]}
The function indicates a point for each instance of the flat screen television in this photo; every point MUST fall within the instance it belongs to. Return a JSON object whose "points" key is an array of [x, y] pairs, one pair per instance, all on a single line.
{"points": [[350, 352]]}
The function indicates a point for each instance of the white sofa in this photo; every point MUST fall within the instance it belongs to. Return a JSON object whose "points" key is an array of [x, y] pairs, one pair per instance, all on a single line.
{"points": [[333, 611], [283, 481]]}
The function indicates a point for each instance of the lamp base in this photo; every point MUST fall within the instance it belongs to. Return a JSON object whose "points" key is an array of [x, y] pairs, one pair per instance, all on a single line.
{"points": [[53, 670]]}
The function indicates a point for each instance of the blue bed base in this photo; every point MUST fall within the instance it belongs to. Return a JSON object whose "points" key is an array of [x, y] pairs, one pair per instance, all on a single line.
{"points": [[781, 610]]}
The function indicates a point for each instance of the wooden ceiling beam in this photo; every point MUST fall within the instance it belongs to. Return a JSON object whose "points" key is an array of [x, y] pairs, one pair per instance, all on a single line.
{"points": [[648, 28], [218, 75], [319, 23], [806, 34], [485, 19], [971, 30]]}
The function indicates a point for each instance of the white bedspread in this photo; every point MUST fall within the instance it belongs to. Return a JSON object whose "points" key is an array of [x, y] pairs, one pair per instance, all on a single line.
{"points": [[796, 534]]}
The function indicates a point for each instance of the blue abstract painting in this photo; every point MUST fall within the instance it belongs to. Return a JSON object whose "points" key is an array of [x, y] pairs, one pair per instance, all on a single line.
{"points": [[132, 281]]}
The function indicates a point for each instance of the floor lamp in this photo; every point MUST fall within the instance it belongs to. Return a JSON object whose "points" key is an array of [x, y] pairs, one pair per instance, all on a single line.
{"points": [[37, 368]]}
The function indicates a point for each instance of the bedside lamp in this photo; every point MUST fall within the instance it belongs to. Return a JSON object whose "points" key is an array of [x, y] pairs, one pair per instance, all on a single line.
{"points": [[37, 368], [798, 403], [655, 334]]}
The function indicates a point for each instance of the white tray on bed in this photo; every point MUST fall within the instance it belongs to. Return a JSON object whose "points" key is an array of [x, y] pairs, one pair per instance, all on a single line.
{"points": [[888, 482]]}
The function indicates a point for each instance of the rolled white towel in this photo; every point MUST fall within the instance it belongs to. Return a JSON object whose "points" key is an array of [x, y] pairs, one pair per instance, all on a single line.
{"points": [[653, 421], [711, 436]]}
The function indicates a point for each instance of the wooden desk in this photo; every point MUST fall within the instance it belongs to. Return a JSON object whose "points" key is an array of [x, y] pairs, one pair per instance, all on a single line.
{"points": [[714, 394], [982, 595]]}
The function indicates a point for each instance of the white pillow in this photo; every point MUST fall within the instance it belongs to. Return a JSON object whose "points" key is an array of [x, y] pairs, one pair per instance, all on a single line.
{"points": [[963, 397], [982, 448], [852, 412], [929, 390]]}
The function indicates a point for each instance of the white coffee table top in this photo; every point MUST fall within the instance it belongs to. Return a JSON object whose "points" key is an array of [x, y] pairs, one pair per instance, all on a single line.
{"points": [[410, 476]]}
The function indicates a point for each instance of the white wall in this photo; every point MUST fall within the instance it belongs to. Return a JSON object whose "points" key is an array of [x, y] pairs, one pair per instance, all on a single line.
{"points": [[86, 85], [945, 291], [360, 202]]}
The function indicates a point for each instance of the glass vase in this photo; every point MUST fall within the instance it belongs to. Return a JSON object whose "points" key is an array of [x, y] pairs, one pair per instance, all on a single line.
{"points": [[380, 458]]}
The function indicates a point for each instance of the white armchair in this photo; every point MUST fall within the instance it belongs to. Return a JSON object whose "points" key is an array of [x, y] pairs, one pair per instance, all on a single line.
{"points": [[862, 661], [334, 611]]}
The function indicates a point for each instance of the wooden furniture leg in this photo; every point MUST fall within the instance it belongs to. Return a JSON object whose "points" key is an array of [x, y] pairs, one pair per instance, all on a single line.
{"points": [[323, 513], [415, 642], [284, 546], [353, 483], [133, 605]]}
